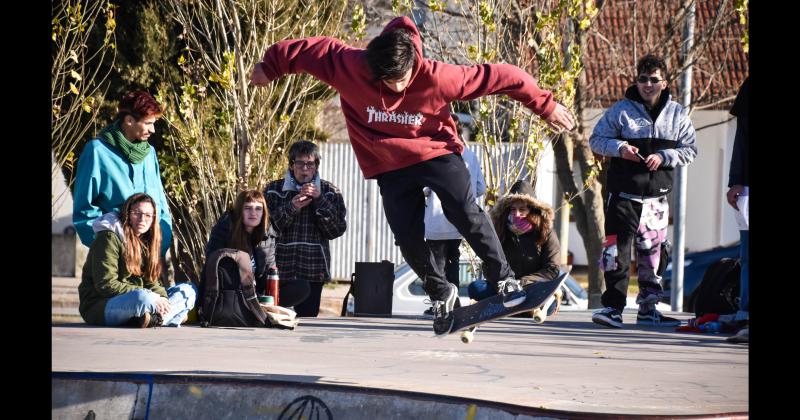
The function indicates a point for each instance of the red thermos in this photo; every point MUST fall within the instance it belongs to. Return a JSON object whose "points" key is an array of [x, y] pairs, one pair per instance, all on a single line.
{"points": [[273, 283]]}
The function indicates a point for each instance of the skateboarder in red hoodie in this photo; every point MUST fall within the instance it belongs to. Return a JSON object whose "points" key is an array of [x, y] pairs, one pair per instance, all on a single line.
{"points": [[396, 105]]}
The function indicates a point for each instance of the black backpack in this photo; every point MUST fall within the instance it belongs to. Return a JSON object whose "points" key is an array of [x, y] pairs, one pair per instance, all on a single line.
{"points": [[718, 292], [228, 295]]}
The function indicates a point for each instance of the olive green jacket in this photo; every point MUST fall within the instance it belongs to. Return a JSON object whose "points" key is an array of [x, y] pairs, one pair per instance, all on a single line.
{"points": [[105, 276]]}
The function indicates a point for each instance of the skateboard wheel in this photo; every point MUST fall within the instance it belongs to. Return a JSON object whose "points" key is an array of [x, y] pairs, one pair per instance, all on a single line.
{"points": [[539, 316], [467, 337]]}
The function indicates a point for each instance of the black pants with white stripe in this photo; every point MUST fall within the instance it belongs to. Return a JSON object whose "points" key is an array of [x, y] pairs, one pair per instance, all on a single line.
{"points": [[404, 205]]}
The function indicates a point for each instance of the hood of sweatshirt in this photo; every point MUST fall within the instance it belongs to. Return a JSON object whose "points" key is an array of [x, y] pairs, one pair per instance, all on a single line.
{"points": [[406, 24], [109, 221]]}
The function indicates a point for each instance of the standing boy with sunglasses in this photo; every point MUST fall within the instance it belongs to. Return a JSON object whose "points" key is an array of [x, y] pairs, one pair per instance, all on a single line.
{"points": [[646, 135]]}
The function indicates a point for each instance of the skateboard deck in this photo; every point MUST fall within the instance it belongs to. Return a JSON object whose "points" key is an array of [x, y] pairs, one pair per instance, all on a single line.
{"points": [[492, 308]]}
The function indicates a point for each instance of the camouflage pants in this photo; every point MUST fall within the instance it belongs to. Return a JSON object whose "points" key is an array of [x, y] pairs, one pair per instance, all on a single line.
{"points": [[643, 226]]}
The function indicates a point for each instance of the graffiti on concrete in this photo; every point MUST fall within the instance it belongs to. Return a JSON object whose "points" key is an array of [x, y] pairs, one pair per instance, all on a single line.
{"points": [[306, 407]]}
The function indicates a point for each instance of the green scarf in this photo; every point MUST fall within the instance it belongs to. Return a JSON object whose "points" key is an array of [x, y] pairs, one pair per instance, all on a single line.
{"points": [[134, 151]]}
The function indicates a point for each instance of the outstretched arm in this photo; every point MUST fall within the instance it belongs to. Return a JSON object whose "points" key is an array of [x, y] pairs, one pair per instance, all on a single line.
{"points": [[490, 79], [317, 56]]}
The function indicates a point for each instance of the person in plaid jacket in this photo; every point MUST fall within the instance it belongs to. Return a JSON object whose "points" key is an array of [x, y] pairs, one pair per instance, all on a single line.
{"points": [[307, 212]]}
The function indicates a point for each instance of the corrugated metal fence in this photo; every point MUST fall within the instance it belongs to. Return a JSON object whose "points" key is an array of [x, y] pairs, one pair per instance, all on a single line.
{"points": [[368, 237]]}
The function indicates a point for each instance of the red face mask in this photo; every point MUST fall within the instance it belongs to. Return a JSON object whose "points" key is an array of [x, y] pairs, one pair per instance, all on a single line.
{"points": [[519, 225]]}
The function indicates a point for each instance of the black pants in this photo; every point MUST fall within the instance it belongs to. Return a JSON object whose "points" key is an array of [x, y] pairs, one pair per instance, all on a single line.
{"points": [[404, 204], [447, 255], [293, 292], [310, 306]]}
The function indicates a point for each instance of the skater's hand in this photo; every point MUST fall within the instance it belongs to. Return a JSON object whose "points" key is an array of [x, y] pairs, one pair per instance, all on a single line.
{"points": [[301, 200], [257, 77], [561, 119], [733, 193], [162, 305]]}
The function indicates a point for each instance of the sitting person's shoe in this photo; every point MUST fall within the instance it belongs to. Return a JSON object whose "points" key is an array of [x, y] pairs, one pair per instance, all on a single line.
{"points": [[443, 311], [608, 317], [512, 292], [139, 321], [656, 319], [148, 320]]}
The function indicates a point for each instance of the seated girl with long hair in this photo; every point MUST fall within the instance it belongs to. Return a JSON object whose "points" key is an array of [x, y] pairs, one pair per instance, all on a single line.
{"points": [[120, 285], [246, 227]]}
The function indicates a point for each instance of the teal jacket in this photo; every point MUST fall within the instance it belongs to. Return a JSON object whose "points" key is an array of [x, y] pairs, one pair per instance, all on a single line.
{"points": [[105, 179]]}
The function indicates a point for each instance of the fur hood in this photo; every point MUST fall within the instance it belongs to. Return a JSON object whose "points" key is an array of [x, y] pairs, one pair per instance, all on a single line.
{"points": [[521, 190]]}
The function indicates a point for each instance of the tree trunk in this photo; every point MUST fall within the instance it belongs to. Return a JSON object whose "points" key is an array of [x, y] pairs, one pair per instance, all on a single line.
{"points": [[587, 200]]}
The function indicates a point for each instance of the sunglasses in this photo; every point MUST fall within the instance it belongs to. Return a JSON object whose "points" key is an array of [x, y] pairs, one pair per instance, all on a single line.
{"points": [[644, 79]]}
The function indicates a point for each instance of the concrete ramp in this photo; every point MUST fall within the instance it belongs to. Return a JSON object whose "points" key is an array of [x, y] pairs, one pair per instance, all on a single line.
{"points": [[146, 396], [378, 367]]}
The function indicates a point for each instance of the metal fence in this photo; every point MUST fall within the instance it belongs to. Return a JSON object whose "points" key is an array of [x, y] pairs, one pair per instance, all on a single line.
{"points": [[368, 237]]}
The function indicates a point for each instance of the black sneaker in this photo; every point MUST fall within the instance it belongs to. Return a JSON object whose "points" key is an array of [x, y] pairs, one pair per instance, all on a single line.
{"points": [[656, 319], [512, 292], [609, 317], [147, 320], [429, 311], [443, 311]]}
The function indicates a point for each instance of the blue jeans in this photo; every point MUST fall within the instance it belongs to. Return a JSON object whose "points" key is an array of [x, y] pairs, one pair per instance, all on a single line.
{"points": [[744, 259], [480, 289], [122, 308]]}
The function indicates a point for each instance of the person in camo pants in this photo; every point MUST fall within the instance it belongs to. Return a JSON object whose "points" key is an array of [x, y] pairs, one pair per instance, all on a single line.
{"points": [[646, 135]]}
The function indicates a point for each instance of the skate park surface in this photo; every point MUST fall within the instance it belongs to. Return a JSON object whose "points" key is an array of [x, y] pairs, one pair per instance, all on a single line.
{"points": [[353, 368]]}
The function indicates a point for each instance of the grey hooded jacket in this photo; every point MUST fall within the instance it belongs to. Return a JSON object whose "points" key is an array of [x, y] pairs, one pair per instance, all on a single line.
{"points": [[671, 135]]}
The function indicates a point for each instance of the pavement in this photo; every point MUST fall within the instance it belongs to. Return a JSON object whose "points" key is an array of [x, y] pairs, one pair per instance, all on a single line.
{"points": [[567, 364]]}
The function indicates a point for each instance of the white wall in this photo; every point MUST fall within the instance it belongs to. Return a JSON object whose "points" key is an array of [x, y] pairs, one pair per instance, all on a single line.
{"points": [[709, 219], [61, 199]]}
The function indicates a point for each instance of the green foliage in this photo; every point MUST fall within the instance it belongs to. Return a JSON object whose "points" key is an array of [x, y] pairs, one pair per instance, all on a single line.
{"points": [[223, 134], [741, 7], [79, 74], [358, 25], [499, 31], [401, 7]]}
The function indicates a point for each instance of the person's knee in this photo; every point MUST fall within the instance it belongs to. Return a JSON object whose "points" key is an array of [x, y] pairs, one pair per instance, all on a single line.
{"points": [[144, 297], [478, 289], [186, 290]]}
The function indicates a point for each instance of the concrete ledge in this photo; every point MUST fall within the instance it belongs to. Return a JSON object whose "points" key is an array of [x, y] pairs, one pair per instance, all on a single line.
{"points": [[114, 395], [568, 363]]}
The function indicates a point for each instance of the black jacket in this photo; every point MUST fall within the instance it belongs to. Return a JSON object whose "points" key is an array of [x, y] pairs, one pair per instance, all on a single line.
{"points": [[530, 262], [740, 163], [263, 252]]}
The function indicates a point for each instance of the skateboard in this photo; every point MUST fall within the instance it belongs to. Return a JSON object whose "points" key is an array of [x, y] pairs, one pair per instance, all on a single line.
{"points": [[467, 318]]}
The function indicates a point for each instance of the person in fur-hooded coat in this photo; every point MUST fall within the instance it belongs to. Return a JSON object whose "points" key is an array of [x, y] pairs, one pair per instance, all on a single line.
{"points": [[524, 226]]}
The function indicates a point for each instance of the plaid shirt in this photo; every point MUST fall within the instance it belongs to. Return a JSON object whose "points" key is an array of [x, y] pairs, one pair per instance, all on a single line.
{"points": [[302, 246]]}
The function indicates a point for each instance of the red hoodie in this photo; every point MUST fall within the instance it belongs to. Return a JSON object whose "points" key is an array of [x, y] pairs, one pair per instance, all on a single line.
{"points": [[390, 130]]}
